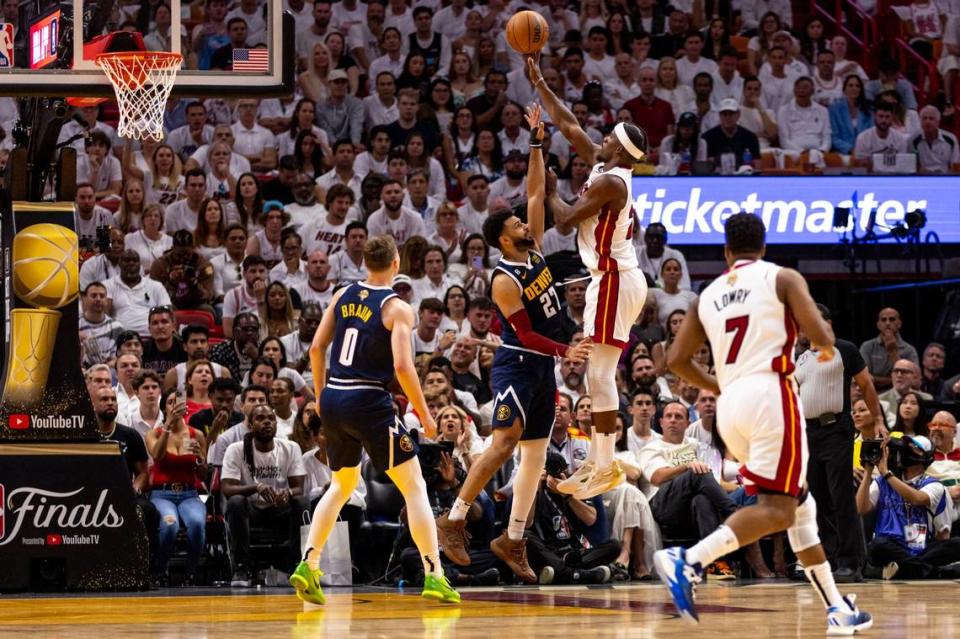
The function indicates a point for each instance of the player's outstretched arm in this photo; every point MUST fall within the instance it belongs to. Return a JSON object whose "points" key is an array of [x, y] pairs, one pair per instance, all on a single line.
{"points": [[603, 191], [536, 176], [398, 319], [320, 344], [688, 341], [561, 115], [793, 291], [506, 296]]}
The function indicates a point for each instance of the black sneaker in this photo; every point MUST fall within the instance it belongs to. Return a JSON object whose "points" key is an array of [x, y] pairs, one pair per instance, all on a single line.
{"points": [[241, 578], [489, 577], [189, 580], [620, 572], [598, 575], [846, 575]]}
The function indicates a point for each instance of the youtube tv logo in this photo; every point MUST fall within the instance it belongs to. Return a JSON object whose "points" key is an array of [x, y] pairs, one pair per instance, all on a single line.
{"points": [[54, 539], [19, 422]]}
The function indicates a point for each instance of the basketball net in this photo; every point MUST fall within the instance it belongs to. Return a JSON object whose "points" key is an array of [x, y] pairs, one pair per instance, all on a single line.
{"points": [[142, 81]]}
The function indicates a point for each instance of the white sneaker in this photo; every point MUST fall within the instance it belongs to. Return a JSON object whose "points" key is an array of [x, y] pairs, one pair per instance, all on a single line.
{"points": [[845, 622], [570, 485], [600, 481], [890, 570]]}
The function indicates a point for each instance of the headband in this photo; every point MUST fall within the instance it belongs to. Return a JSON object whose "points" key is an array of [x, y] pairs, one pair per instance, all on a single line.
{"points": [[621, 132]]}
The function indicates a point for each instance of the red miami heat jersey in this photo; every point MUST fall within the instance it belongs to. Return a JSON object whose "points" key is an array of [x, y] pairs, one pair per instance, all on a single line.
{"points": [[604, 239], [749, 328]]}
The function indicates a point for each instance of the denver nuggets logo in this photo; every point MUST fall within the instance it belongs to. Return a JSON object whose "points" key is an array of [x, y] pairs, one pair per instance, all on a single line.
{"points": [[363, 294], [503, 413], [406, 444]]}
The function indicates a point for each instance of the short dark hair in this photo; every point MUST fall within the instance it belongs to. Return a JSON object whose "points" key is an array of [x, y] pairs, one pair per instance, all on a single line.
{"points": [[252, 260], [127, 336], [251, 388], [354, 225], [481, 302], [86, 291], [642, 390], [745, 233], [597, 29], [144, 375], [341, 142], [193, 329], [288, 163], [379, 252], [339, 190], [195, 103], [431, 304], [422, 9], [477, 176], [824, 311], [493, 226], [693, 33], [264, 361], [225, 384], [728, 52], [232, 21], [380, 128], [194, 173], [573, 52]]}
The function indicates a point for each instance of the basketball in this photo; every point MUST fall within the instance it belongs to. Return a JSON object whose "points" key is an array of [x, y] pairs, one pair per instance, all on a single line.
{"points": [[527, 32], [45, 265]]}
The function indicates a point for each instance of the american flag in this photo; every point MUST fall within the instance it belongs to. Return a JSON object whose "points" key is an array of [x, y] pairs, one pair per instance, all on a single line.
{"points": [[251, 60]]}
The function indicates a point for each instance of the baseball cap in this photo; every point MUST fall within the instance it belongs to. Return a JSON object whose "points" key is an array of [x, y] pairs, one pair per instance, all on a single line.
{"points": [[400, 278], [729, 104], [688, 119], [337, 74]]}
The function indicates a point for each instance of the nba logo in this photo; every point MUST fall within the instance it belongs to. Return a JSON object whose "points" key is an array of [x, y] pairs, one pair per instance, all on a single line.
{"points": [[6, 45]]}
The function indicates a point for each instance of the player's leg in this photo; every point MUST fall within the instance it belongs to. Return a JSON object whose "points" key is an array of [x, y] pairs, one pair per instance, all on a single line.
{"points": [[511, 546], [451, 527], [409, 480]]}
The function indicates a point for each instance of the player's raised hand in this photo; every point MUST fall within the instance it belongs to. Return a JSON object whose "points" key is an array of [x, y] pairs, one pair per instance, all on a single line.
{"points": [[550, 184], [533, 120], [533, 70], [580, 352]]}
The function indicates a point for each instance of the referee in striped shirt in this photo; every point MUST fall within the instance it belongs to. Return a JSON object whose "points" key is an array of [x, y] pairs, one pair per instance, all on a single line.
{"points": [[825, 395]]}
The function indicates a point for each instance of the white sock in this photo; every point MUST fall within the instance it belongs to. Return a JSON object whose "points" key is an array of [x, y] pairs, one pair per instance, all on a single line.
{"points": [[327, 510], [459, 510], [720, 542], [409, 479], [592, 450], [605, 443], [821, 576], [533, 455]]}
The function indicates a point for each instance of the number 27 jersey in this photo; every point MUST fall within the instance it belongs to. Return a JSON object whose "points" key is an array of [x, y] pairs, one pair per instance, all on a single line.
{"points": [[539, 297], [750, 330]]}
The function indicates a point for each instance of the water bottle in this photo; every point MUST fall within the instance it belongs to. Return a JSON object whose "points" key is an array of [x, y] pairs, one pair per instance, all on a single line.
{"points": [[684, 168], [747, 157]]}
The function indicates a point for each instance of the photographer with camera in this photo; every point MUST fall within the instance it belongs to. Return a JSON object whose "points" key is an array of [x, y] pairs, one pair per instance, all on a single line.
{"points": [[914, 513], [187, 275], [556, 533]]}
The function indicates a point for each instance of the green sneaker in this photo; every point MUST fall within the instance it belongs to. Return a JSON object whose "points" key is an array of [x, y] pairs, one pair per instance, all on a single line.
{"points": [[440, 589], [307, 584]]}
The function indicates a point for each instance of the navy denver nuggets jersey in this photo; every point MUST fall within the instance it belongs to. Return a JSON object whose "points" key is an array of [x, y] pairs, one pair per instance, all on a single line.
{"points": [[361, 345], [539, 297]]}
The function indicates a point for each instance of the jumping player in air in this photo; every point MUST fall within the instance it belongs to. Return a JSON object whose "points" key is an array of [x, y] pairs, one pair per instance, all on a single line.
{"points": [[524, 384], [617, 289], [370, 328], [750, 316]]}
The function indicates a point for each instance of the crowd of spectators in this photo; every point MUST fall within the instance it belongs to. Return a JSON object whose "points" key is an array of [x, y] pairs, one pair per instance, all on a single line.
{"points": [[210, 257]]}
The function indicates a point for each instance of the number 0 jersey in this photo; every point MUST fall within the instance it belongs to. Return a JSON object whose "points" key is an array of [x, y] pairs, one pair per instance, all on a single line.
{"points": [[750, 330], [540, 299], [361, 351]]}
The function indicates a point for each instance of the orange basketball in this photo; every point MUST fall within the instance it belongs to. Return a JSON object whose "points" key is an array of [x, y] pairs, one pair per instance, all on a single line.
{"points": [[527, 32]]}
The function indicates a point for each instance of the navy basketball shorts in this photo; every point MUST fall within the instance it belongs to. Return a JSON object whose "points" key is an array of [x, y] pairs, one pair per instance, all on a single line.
{"points": [[363, 419], [524, 386]]}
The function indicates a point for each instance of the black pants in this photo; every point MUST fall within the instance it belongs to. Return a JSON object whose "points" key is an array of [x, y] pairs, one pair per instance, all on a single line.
{"points": [[883, 550], [480, 561], [567, 559], [691, 505], [151, 521], [241, 513], [830, 480]]}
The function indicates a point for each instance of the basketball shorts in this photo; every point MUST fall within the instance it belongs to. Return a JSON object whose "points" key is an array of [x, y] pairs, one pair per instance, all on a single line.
{"points": [[363, 419], [759, 418], [524, 386], [614, 302]]}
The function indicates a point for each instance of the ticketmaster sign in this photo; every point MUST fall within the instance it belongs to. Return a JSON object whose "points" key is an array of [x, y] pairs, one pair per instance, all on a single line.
{"points": [[796, 210]]}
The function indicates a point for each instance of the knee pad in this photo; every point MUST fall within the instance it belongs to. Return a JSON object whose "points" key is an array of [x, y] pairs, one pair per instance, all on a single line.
{"points": [[803, 533], [602, 378]]}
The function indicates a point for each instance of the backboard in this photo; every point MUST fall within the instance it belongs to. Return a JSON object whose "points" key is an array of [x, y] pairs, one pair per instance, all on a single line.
{"points": [[52, 53]]}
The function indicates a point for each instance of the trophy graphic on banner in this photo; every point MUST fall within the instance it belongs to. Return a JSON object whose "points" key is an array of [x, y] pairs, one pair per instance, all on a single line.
{"points": [[45, 276]]}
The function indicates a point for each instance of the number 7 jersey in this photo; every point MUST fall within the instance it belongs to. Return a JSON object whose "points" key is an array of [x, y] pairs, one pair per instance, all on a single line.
{"points": [[750, 330]]}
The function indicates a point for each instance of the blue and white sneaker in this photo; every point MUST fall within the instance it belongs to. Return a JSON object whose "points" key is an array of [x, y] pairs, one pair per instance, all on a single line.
{"points": [[843, 623], [680, 578]]}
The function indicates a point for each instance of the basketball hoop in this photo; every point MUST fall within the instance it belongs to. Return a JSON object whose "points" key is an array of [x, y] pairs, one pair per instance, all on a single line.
{"points": [[142, 81]]}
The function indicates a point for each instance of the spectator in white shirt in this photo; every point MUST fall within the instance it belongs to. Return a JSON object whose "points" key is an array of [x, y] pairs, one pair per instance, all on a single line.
{"points": [[451, 20], [513, 185], [752, 10], [654, 252], [183, 214], [623, 85], [560, 237], [828, 87], [392, 59], [777, 81], [322, 13], [195, 133], [474, 211], [291, 271], [692, 62], [90, 216], [449, 233], [104, 266], [841, 66], [880, 138], [419, 200], [597, 64], [302, 120], [754, 116], [248, 297], [512, 136], [327, 232], [347, 266], [374, 159], [99, 167], [252, 13], [804, 124], [381, 107], [227, 267], [435, 280], [727, 82], [937, 150], [425, 37], [392, 218], [254, 142], [130, 296], [346, 14], [342, 172], [200, 159]]}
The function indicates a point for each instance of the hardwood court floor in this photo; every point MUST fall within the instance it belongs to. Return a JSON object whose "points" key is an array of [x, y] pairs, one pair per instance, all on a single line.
{"points": [[902, 610]]}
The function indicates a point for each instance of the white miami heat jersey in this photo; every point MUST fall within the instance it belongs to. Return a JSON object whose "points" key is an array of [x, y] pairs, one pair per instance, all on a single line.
{"points": [[749, 328], [604, 239]]}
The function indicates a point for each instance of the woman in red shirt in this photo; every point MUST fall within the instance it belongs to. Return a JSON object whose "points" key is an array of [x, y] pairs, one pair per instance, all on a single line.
{"points": [[178, 453], [199, 377]]}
